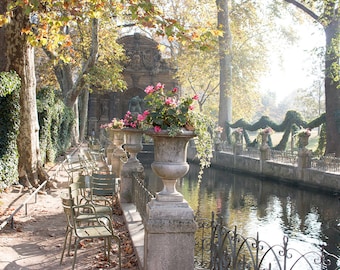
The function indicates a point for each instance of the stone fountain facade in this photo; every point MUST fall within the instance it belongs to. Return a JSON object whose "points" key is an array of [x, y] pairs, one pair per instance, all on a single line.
{"points": [[146, 67]]}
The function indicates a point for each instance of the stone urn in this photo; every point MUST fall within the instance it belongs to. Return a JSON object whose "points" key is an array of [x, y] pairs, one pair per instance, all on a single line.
{"points": [[118, 154], [117, 137], [303, 141], [264, 148], [170, 162], [304, 155], [218, 141], [133, 143]]}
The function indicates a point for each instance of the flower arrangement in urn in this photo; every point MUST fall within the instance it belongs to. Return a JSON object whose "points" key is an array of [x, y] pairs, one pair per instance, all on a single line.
{"points": [[267, 130], [237, 134], [304, 133], [114, 124], [134, 120], [168, 111]]}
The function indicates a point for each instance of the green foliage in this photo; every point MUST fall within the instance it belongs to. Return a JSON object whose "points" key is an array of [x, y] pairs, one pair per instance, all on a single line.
{"points": [[9, 127], [320, 150], [9, 82], [55, 121], [292, 122]]}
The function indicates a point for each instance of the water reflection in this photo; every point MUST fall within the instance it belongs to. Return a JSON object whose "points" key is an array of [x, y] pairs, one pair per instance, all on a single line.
{"points": [[309, 218]]}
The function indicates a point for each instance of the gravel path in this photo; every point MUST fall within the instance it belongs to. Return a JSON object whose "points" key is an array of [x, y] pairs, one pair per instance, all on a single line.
{"points": [[36, 241]]}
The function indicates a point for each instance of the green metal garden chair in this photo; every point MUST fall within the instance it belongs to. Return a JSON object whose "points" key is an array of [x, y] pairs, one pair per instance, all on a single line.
{"points": [[81, 194], [73, 166], [104, 188], [95, 226]]}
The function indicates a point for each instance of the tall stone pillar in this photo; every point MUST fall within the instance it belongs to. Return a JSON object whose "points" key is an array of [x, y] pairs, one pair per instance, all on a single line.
{"points": [[169, 225], [169, 236]]}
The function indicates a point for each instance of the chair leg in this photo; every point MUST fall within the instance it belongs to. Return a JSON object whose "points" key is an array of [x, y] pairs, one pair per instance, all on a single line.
{"points": [[75, 253], [108, 248], [68, 231], [117, 239], [69, 243]]}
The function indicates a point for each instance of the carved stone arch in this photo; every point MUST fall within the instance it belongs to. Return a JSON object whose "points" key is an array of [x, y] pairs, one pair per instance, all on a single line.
{"points": [[145, 67]]}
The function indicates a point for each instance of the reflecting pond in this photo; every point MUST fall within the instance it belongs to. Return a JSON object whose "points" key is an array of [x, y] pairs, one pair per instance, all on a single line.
{"points": [[310, 218]]}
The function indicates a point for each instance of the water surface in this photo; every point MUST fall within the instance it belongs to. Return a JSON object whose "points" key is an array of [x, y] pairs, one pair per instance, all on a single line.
{"points": [[310, 218]]}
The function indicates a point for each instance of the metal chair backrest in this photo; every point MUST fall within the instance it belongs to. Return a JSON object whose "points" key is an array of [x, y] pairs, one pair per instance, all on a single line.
{"points": [[68, 203], [104, 184], [78, 192]]}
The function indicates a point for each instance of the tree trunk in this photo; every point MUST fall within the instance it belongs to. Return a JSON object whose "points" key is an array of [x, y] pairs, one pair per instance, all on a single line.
{"points": [[332, 93], [20, 57], [71, 89], [225, 53], [83, 108], [3, 45], [75, 128]]}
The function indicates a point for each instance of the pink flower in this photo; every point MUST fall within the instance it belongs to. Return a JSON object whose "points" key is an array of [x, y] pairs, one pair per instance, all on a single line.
{"points": [[157, 129], [149, 89], [195, 97], [191, 107], [141, 117], [175, 90], [146, 113], [159, 86], [170, 101]]}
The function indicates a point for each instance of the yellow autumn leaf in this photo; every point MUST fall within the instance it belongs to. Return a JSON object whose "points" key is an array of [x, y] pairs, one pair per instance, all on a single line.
{"points": [[161, 47]]}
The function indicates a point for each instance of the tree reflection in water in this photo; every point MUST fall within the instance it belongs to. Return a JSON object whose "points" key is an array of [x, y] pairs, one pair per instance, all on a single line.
{"points": [[310, 218]]}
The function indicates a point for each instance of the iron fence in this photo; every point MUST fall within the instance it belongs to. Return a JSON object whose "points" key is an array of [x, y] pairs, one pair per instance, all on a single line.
{"points": [[218, 247], [327, 163], [140, 194], [286, 157], [251, 152]]}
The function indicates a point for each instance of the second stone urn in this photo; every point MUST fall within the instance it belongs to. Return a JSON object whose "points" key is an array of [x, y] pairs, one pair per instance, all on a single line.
{"points": [[133, 143], [118, 154], [170, 162]]}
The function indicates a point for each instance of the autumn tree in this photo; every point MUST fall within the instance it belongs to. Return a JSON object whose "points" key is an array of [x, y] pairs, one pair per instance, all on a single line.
{"points": [[29, 23], [327, 14], [18, 55]]}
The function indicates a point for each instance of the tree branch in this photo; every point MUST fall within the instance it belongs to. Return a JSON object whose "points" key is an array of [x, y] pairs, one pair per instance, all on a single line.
{"points": [[88, 64], [304, 9]]}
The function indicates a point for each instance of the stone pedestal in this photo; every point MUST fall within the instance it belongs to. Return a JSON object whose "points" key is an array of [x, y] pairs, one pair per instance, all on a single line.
{"points": [[237, 149], [169, 224], [127, 178], [169, 236], [264, 148], [304, 158]]}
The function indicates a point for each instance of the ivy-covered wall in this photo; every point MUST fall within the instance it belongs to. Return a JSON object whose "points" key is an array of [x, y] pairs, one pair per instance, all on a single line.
{"points": [[9, 127], [55, 121], [290, 125]]}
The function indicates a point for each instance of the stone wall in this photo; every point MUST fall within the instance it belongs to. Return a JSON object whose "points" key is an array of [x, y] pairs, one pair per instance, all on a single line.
{"points": [[307, 177]]}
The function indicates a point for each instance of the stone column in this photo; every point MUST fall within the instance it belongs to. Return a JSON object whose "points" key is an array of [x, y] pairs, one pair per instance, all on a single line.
{"points": [[304, 155], [169, 225], [127, 178], [264, 148], [133, 145], [169, 236]]}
